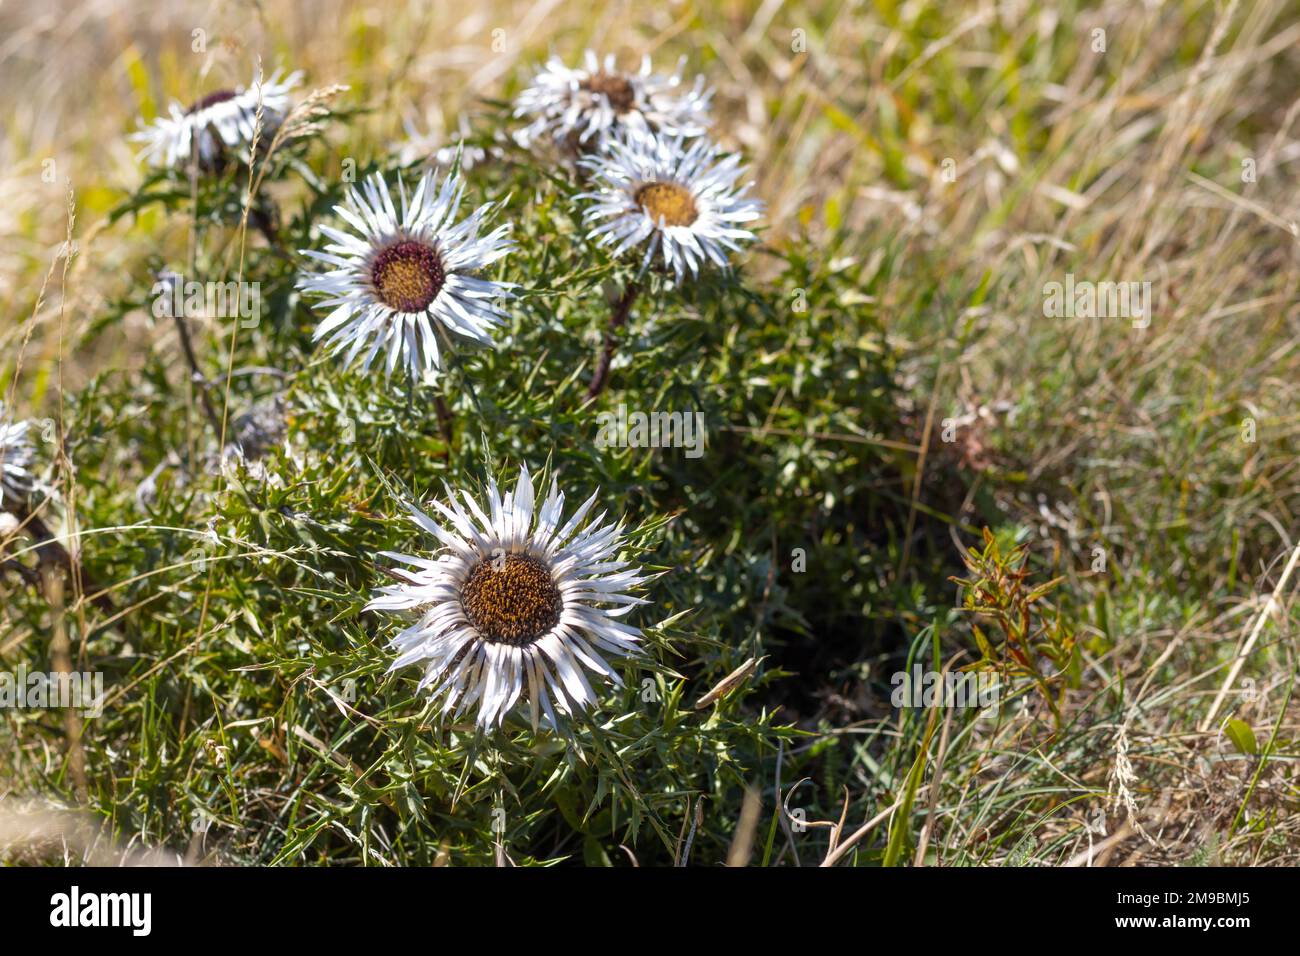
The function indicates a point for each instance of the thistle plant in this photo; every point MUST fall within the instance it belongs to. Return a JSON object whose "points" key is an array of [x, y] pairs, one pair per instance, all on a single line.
{"points": [[425, 348], [577, 109], [218, 124], [407, 277], [520, 603]]}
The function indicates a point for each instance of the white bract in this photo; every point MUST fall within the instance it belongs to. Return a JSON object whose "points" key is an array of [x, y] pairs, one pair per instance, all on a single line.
{"points": [[580, 106], [16, 456], [674, 195], [516, 605], [222, 120], [406, 275]]}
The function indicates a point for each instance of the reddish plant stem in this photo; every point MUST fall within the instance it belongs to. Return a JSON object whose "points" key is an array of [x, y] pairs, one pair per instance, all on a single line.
{"points": [[196, 375], [617, 319], [50, 552]]}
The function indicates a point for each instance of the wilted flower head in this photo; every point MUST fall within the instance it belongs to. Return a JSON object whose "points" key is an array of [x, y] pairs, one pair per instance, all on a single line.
{"points": [[576, 108], [515, 604], [261, 428], [16, 456], [401, 279], [439, 149], [673, 195], [224, 119]]}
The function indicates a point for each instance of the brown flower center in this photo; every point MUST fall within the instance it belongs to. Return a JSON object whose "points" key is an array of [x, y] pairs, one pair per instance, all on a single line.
{"points": [[614, 87], [212, 99], [669, 202], [407, 276], [511, 599]]}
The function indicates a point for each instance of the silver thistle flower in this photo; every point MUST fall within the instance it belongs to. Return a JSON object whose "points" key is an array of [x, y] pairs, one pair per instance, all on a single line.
{"points": [[579, 107], [404, 278], [677, 197], [515, 605], [16, 457], [219, 121]]}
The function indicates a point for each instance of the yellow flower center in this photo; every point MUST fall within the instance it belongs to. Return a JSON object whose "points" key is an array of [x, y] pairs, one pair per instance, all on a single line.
{"points": [[407, 276], [669, 202], [511, 599]]}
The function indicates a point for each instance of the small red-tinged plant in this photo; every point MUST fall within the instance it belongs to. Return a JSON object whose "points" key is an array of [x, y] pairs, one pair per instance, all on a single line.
{"points": [[1027, 637]]}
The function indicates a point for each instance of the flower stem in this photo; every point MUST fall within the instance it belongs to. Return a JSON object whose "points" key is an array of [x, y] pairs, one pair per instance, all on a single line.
{"points": [[197, 376], [617, 319], [61, 658], [445, 421]]}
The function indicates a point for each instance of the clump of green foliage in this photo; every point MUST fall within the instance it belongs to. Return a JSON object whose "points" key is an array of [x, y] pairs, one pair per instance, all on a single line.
{"points": [[251, 716]]}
